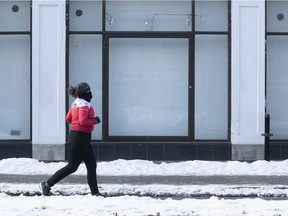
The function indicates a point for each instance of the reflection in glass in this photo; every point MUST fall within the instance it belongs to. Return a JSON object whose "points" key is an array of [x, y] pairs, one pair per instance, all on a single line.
{"points": [[85, 65], [211, 87], [277, 85], [148, 87], [15, 87]]}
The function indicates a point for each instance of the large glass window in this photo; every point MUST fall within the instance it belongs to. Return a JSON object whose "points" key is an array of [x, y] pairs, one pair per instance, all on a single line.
{"points": [[86, 66], [163, 67], [15, 70], [277, 85], [85, 52], [211, 87], [211, 70], [277, 68], [148, 87]]}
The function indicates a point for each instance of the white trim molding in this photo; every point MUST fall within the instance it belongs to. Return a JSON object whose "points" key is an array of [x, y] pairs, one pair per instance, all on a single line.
{"points": [[48, 72], [248, 73]]}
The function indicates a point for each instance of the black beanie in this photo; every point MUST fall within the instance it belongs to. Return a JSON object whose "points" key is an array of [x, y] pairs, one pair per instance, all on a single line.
{"points": [[83, 88]]}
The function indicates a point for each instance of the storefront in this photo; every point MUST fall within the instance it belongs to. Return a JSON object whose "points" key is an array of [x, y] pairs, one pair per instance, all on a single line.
{"points": [[171, 80]]}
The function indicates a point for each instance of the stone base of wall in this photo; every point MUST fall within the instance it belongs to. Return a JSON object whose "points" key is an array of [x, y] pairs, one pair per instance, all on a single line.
{"points": [[245, 152], [48, 152]]}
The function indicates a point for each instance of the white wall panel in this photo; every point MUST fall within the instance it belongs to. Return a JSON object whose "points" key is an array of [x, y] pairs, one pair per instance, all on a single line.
{"points": [[48, 72], [248, 72]]}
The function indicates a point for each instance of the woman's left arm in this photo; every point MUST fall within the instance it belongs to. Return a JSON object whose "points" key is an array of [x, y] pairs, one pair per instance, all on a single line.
{"points": [[84, 116]]}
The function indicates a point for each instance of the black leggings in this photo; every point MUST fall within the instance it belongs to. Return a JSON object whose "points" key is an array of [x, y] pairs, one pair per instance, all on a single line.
{"points": [[79, 150]]}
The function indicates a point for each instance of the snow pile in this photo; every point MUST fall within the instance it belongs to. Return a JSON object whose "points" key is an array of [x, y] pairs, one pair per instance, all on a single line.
{"points": [[137, 206], [27, 166], [156, 191]]}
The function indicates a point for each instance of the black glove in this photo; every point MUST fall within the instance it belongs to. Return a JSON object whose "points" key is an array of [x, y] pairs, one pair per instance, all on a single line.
{"points": [[97, 119]]}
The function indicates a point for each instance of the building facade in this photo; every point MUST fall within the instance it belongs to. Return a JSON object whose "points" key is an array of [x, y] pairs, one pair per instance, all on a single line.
{"points": [[171, 80]]}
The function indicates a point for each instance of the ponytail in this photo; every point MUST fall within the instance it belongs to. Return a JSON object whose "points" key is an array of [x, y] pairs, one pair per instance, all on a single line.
{"points": [[72, 91]]}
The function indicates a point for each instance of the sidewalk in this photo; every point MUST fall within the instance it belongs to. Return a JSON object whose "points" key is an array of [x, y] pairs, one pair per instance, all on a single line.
{"points": [[164, 180], [176, 187]]}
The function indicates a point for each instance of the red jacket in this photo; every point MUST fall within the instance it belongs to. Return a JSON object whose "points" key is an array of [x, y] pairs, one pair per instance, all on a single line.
{"points": [[81, 116]]}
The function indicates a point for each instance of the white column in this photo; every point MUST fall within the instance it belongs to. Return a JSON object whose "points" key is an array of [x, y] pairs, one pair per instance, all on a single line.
{"points": [[48, 79], [248, 79]]}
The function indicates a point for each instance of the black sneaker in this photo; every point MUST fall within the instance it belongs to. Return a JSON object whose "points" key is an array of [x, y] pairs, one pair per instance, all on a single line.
{"points": [[45, 191], [98, 195]]}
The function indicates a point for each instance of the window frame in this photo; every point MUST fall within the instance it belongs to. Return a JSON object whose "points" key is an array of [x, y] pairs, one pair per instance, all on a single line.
{"points": [[106, 35]]}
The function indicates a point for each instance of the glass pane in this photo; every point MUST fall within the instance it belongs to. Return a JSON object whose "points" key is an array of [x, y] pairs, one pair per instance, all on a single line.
{"points": [[85, 15], [211, 15], [15, 87], [277, 16], [211, 87], [85, 65], [148, 16], [277, 85], [148, 87], [14, 15]]}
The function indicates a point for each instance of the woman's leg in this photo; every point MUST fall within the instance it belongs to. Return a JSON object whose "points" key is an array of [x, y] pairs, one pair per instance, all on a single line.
{"points": [[77, 149], [91, 166]]}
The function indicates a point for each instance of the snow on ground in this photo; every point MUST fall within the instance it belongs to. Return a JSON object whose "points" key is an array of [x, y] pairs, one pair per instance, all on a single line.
{"points": [[138, 206], [134, 206], [141, 167], [71, 203]]}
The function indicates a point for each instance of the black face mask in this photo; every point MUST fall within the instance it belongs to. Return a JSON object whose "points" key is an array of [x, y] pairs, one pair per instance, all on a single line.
{"points": [[87, 96]]}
